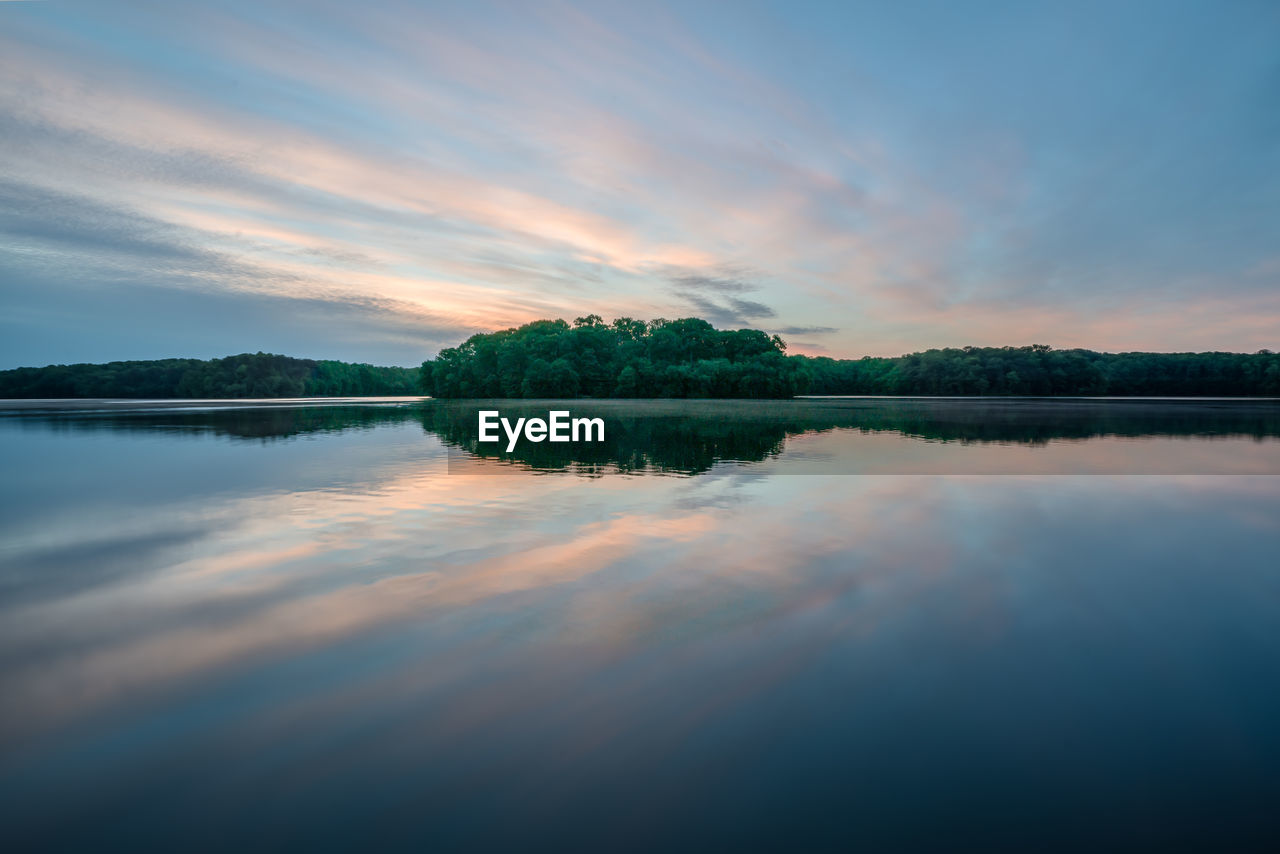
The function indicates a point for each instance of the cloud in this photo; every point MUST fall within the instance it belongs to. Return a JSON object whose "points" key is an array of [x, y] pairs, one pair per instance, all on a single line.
{"points": [[87, 280], [79, 225], [806, 330], [714, 299], [715, 284]]}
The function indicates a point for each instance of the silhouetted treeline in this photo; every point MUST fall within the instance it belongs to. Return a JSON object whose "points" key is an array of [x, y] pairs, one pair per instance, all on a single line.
{"points": [[689, 358], [685, 358], [1041, 370], [246, 375], [626, 358]]}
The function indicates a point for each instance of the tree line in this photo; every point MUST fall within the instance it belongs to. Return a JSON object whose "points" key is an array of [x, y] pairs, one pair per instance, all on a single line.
{"points": [[685, 358], [245, 375], [625, 358], [1041, 370], [690, 358]]}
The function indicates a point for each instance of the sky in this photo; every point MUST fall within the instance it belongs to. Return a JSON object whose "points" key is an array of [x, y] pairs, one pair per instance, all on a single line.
{"points": [[375, 181]]}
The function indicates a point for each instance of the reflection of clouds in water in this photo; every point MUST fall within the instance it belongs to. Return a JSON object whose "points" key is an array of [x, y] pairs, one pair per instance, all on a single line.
{"points": [[673, 564], [280, 578]]}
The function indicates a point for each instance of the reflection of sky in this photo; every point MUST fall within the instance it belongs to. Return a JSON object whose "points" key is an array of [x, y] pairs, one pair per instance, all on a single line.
{"points": [[357, 181], [428, 648]]}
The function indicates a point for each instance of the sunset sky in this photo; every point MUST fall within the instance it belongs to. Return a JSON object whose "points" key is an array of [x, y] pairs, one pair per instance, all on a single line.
{"points": [[372, 182]]}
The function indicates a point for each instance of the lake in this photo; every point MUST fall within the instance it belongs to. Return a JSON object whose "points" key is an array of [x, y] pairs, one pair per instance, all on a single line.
{"points": [[810, 624]]}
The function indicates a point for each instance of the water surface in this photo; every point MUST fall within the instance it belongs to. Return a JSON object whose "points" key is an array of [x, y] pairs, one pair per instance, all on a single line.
{"points": [[968, 622]]}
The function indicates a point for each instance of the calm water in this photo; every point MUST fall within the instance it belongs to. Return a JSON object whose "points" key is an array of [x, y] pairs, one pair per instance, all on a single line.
{"points": [[810, 624]]}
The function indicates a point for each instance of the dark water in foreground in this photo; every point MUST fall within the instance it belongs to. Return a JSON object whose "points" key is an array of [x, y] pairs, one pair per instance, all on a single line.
{"points": [[1009, 624]]}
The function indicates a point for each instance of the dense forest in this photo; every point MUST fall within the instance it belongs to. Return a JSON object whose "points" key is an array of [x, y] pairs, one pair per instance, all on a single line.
{"points": [[689, 358], [686, 358], [627, 358], [1041, 370], [246, 375]]}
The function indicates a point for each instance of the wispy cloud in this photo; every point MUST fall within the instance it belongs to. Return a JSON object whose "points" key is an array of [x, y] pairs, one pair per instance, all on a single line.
{"points": [[806, 330], [716, 299]]}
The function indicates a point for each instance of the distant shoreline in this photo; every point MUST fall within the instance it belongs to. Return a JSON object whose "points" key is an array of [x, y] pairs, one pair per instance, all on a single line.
{"points": [[680, 359], [690, 358], [73, 404]]}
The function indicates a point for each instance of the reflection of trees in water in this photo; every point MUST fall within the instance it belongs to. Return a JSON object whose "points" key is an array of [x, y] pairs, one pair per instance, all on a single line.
{"points": [[263, 423], [1036, 422], [638, 437], [691, 436]]}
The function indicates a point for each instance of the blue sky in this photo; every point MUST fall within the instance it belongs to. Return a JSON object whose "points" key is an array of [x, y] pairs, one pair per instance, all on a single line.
{"points": [[375, 181]]}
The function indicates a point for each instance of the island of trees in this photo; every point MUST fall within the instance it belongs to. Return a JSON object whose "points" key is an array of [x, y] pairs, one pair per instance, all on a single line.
{"points": [[690, 358], [626, 358], [247, 375]]}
